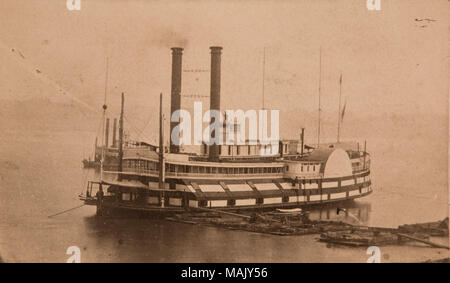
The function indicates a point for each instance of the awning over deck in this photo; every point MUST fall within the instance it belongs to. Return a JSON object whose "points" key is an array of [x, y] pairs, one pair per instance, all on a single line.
{"points": [[236, 190], [127, 184]]}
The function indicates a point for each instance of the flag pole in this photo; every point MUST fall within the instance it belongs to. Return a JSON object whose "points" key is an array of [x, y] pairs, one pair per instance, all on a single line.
{"points": [[320, 84], [339, 113]]}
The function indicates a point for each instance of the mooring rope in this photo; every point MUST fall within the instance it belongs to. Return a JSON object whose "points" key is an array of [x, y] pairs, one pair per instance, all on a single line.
{"points": [[67, 210]]}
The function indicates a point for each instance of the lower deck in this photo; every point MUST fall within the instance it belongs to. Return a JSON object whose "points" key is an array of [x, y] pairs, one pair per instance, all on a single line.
{"points": [[276, 193]]}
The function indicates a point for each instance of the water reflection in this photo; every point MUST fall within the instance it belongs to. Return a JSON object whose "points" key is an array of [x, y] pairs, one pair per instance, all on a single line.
{"points": [[354, 212], [131, 239]]}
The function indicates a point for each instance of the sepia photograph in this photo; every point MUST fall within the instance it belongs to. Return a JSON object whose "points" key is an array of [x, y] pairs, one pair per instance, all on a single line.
{"points": [[228, 132]]}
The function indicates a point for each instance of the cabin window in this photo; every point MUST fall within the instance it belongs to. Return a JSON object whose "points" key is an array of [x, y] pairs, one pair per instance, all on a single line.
{"points": [[238, 150], [229, 150], [285, 199], [231, 202], [302, 168], [314, 168], [202, 203], [259, 201], [248, 150]]}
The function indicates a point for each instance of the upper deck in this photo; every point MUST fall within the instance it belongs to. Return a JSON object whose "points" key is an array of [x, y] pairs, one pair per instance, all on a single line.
{"points": [[187, 166]]}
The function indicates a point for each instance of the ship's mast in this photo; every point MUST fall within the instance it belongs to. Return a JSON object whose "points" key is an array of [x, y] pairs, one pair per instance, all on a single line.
{"points": [[103, 142], [161, 151], [339, 112], [119, 177], [103, 122], [320, 85]]}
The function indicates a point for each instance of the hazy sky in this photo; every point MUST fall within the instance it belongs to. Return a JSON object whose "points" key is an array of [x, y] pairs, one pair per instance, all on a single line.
{"points": [[391, 63]]}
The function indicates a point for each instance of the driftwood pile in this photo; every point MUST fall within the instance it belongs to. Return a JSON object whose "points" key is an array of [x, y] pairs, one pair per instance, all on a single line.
{"points": [[336, 232]]}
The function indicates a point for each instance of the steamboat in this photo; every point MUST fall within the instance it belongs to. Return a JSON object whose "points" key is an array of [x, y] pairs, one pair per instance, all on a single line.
{"points": [[165, 180]]}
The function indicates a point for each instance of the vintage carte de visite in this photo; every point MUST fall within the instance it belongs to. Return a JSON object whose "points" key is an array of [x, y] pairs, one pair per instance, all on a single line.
{"points": [[224, 131]]}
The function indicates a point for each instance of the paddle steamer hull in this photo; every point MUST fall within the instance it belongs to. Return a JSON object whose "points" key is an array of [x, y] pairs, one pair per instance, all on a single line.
{"points": [[139, 188]]}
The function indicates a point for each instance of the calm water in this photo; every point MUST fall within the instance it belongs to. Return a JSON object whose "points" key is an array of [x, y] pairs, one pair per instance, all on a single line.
{"points": [[41, 174]]}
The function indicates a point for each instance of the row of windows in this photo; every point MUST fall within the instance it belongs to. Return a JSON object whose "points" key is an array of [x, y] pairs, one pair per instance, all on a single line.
{"points": [[176, 168], [231, 150], [152, 165], [231, 202], [306, 167]]}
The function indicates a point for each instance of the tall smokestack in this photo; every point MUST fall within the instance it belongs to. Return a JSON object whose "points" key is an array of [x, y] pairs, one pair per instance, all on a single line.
{"points": [[107, 133], [114, 141], [214, 104], [175, 98]]}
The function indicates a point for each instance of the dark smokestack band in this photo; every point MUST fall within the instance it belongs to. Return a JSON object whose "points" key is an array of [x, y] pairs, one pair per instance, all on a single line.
{"points": [[175, 98], [214, 104]]}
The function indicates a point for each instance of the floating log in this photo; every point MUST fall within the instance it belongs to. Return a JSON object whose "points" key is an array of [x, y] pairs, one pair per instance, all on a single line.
{"points": [[423, 241], [223, 212], [437, 228], [354, 237]]}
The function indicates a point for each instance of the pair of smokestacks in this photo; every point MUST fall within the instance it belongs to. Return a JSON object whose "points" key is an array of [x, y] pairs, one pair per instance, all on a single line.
{"points": [[114, 141], [175, 99]]}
